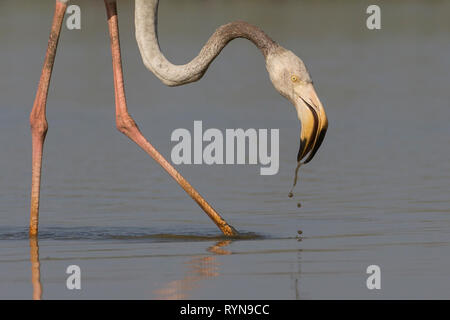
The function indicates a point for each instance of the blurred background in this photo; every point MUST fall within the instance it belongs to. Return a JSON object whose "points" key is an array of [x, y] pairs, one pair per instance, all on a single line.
{"points": [[377, 192]]}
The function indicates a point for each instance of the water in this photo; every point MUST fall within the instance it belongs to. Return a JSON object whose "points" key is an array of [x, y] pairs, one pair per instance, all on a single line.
{"points": [[377, 192]]}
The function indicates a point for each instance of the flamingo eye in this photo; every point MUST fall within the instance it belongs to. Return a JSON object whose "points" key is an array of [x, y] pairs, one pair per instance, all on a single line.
{"points": [[294, 78]]}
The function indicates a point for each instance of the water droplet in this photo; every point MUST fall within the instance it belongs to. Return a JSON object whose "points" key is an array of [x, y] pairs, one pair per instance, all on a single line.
{"points": [[299, 205], [291, 194]]}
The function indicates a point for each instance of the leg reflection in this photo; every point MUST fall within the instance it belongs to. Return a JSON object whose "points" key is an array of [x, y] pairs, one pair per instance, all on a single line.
{"points": [[198, 268], [35, 269]]}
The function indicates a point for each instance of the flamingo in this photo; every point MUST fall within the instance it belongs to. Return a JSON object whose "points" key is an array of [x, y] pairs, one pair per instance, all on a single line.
{"points": [[287, 73]]}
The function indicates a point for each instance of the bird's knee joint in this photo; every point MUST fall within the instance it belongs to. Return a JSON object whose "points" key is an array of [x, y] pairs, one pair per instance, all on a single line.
{"points": [[125, 124], [39, 126]]}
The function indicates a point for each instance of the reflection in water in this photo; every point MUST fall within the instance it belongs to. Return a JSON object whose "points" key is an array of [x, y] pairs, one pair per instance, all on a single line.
{"points": [[35, 269], [297, 275], [198, 268]]}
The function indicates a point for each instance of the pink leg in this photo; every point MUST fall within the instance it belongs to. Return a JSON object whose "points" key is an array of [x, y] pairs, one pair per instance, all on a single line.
{"points": [[35, 269], [38, 120], [127, 126]]}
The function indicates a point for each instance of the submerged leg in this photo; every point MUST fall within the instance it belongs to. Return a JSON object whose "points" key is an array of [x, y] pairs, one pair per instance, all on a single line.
{"points": [[38, 120], [127, 126]]}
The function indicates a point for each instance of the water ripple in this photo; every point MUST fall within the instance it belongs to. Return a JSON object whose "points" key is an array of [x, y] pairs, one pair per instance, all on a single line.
{"points": [[122, 233]]}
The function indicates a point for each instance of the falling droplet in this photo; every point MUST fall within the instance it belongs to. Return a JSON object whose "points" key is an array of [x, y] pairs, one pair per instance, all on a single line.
{"points": [[299, 205], [291, 194], [300, 232]]}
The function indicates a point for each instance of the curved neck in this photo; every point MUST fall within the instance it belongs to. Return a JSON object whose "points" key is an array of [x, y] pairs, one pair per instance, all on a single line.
{"points": [[146, 20]]}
